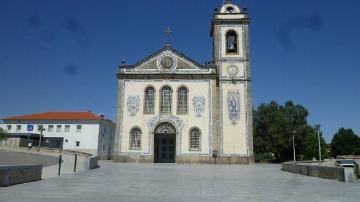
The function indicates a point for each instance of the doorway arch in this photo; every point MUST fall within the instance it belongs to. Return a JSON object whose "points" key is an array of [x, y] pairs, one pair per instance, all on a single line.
{"points": [[165, 143]]}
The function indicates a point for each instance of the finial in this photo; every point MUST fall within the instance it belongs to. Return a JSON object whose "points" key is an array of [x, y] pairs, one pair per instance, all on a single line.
{"points": [[168, 32], [123, 62], [227, 2]]}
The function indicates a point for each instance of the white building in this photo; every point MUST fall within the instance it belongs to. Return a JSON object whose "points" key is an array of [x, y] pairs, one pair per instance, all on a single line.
{"points": [[174, 109], [77, 131]]}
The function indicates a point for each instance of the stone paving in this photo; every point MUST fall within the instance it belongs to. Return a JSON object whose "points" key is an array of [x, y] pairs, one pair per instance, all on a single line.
{"points": [[172, 182]]}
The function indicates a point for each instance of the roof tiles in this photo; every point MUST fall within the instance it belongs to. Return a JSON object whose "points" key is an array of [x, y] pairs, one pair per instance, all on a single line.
{"points": [[57, 116]]}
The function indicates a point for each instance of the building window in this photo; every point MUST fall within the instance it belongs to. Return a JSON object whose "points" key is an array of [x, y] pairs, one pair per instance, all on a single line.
{"points": [[58, 128], [135, 138], [67, 128], [40, 127], [78, 128], [231, 42], [18, 127], [66, 140], [8, 127], [51, 128], [182, 100], [166, 99], [194, 139], [77, 143], [149, 100]]}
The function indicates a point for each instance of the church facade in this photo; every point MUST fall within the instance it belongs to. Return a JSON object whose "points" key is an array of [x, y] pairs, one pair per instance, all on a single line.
{"points": [[172, 109]]}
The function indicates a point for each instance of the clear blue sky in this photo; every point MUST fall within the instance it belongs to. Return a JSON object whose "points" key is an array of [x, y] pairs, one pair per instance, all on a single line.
{"points": [[63, 55]]}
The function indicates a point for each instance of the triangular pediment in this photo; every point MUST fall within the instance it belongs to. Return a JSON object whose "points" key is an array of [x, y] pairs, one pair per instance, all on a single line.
{"points": [[167, 60]]}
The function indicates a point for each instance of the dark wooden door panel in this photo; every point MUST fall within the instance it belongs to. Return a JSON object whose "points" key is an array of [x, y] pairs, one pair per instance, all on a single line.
{"points": [[166, 148]]}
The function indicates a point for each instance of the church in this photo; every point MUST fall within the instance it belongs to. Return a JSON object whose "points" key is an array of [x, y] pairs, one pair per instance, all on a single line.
{"points": [[172, 109]]}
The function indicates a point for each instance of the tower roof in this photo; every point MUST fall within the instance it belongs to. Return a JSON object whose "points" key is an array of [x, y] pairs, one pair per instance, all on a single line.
{"points": [[228, 7], [229, 13]]}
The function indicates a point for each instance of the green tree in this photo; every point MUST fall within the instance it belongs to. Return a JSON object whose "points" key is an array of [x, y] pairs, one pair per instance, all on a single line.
{"points": [[311, 145], [274, 127], [345, 142], [3, 134]]}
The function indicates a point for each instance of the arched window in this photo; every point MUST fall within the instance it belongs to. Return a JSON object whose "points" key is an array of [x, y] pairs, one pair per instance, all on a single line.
{"points": [[194, 139], [135, 138], [149, 100], [230, 9], [182, 102], [231, 42], [166, 99]]}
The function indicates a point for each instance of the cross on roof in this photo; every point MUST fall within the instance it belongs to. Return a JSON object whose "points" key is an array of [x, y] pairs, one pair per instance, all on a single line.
{"points": [[168, 32]]}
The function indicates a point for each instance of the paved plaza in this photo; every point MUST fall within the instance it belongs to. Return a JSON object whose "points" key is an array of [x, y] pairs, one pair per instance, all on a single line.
{"points": [[173, 182]]}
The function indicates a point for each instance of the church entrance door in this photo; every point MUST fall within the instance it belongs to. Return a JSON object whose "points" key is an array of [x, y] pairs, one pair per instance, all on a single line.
{"points": [[165, 143]]}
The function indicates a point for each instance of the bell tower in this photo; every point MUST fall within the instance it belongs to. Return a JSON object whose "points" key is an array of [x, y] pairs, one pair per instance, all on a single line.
{"points": [[230, 33]]}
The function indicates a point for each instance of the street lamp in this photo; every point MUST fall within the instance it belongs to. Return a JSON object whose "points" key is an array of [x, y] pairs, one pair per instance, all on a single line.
{"points": [[293, 138], [317, 127], [41, 132]]}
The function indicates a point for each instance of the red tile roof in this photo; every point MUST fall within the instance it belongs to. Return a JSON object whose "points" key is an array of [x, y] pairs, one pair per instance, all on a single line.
{"points": [[57, 116]]}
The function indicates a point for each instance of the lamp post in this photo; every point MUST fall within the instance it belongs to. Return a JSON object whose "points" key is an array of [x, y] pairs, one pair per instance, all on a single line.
{"points": [[317, 127], [41, 132], [293, 140]]}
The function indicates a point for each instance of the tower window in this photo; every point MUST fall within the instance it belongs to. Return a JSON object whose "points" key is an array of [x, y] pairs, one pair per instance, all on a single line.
{"points": [[231, 42], [182, 100], [166, 99], [149, 100]]}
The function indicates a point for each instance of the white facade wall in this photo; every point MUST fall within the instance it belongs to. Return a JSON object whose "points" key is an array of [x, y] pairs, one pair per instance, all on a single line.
{"points": [[92, 138], [141, 120]]}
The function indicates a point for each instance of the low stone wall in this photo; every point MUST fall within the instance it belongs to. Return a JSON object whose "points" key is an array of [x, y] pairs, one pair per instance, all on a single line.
{"points": [[210, 160], [11, 175], [186, 159], [10, 142], [91, 162], [308, 169]]}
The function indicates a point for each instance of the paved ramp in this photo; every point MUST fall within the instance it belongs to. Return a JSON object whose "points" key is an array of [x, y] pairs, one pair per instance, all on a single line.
{"points": [[19, 158]]}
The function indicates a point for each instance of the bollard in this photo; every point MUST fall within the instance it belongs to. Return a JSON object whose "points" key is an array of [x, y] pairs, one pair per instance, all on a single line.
{"points": [[215, 155], [75, 162], [60, 160]]}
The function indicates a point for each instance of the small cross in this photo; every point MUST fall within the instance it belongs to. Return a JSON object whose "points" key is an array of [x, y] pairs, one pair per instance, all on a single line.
{"points": [[168, 32]]}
